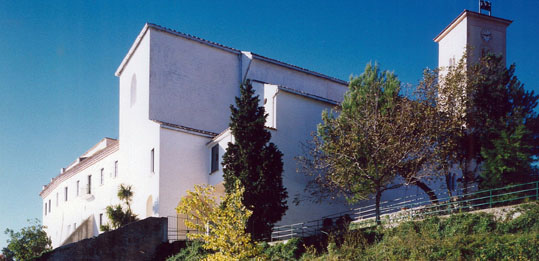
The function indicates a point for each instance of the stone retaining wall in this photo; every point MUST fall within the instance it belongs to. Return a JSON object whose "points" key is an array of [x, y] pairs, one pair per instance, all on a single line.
{"points": [[137, 241]]}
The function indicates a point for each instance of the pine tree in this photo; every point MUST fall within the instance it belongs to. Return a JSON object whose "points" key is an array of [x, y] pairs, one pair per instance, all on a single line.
{"points": [[257, 163], [502, 134]]}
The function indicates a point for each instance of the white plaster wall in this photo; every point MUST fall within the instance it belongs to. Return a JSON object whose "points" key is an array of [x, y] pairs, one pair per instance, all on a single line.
{"points": [[267, 98], [192, 84], [497, 42], [224, 138], [468, 34], [60, 221], [297, 117], [138, 135], [278, 75], [183, 164], [453, 44]]}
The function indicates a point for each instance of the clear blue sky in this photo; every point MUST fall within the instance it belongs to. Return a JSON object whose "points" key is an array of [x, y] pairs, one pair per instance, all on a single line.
{"points": [[59, 95]]}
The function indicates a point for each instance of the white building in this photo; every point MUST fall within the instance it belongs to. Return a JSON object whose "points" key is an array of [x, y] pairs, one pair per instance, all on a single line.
{"points": [[473, 32], [175, 93]]}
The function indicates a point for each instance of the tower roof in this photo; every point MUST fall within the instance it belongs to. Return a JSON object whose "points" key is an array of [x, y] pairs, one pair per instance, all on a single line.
{"points": [[468, 13]]}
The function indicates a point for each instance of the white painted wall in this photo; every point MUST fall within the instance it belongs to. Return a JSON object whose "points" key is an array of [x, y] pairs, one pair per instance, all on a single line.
{"points": [[496, 44], [138, 135], [192, 84], [453, 45], [67, 215], [222, 140], [297, 117], [467, 34], [183, 164], [274, 74]]}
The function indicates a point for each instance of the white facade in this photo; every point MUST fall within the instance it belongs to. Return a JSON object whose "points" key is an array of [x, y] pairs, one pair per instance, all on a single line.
{"points": [[174, 96], [473, 32]]}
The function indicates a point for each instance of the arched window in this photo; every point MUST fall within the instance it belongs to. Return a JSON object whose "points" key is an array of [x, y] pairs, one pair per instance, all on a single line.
{"points": [[133, 90]]}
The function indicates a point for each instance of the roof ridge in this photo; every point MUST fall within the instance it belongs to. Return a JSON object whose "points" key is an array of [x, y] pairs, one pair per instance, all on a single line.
{"points": [[220, 46]]}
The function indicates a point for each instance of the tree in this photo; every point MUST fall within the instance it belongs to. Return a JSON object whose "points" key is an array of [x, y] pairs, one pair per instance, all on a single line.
{"points": [[500, 134], [117, 215], [30, 242], [508, 161], [256, 163], [221, 227], [377, 136], [503, 121]]}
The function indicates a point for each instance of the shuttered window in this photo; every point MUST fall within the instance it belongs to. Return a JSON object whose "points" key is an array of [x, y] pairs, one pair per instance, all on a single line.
{"points": [[215, 158]]}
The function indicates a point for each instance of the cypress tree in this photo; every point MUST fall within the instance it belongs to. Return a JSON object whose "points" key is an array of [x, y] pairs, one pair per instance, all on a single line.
{"points": [[257, 163]]}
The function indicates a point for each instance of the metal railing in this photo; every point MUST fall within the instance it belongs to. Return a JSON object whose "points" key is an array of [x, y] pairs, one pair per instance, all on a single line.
{"points": [[177, 229], [412, 208]]}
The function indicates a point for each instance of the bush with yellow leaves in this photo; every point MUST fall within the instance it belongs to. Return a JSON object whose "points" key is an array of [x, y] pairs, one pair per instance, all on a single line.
{"points": [[221, 226]]}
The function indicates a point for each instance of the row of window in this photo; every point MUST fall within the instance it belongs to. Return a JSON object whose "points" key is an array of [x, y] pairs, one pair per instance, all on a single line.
{"points": [[88, 189]]}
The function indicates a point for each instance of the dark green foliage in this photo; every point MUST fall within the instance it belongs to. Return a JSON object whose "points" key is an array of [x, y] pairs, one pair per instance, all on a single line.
{"points": [[8, 255], [257, 163], [30, 242], [509, 159], [502, 126], [291, 250], [117, 215], [194, 251]]}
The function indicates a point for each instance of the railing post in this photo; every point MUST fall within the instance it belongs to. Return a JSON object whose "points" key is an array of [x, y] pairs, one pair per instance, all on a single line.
{"points": [[490, 198]]}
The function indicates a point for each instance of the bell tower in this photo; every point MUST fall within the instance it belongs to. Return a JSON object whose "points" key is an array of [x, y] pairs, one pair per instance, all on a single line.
{"points": [[474, 32]]}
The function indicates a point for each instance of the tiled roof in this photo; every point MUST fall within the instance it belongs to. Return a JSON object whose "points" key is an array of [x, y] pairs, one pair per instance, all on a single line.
{"points": [[216, 45], [79, 167], [187, 129]]}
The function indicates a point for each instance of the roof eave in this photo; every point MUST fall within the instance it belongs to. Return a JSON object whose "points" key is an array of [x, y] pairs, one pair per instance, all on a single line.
{"points": [[147, 26], [132, 50], [297, 68], [461, 17]]}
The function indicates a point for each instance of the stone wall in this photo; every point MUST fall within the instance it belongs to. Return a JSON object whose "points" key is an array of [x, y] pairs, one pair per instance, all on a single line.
{"points": [[137, 241]]}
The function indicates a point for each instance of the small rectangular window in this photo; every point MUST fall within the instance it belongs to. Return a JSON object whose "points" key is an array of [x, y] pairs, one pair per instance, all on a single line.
{"points": [[214, 158], [45, 208], [78, 187], [89, 189], [49, 206], [101, 219], [116, 169], [152, 161], [102, 176], [65, 193], [57, 196], [74, 226]]}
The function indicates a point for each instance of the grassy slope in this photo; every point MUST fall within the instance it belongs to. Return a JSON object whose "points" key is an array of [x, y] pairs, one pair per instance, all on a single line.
{"points": [[459, 237]]}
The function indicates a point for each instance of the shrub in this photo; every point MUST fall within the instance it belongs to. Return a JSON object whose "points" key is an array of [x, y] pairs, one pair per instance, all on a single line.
{"points": [[194, 251], [526, 222], [459, 237], [291, 250]]}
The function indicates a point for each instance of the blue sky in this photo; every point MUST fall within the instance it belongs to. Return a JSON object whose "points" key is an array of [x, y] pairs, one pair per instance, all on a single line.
{"points": [[59, 95]]}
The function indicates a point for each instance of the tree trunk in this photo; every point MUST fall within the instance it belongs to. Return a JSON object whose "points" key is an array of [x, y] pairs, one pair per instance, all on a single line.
{"points": [[448, 183], [432, 196], [378, 197]]}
